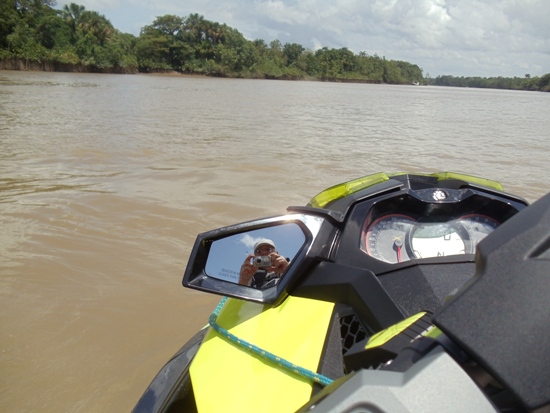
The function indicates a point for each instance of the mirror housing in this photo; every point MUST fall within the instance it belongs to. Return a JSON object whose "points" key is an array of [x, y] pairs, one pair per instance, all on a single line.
{"points": [[212, 266]]}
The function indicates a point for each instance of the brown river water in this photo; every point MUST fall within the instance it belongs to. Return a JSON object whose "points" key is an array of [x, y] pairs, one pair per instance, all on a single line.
{"points": [[105, 181]]}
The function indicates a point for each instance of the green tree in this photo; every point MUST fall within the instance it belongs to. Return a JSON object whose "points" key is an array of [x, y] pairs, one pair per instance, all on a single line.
{"points": [[21, 41], [237, 54], [161, 46], [91, 23], [53, 32], [168, 25], [330, 63], [392, 74], [292, 52], [410, 73], [9, 18], [25, 28], [71, 13], [276, 49], [544, 83]]}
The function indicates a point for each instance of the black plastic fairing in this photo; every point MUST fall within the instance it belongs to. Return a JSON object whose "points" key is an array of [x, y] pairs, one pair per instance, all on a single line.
{"points": [[172, 385], [343, 205], [412, 183], [334, 216], [502, 317], [353, 286], [426, 287]]}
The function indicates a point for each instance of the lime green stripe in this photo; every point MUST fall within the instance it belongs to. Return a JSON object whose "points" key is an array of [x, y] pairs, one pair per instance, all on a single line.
{"points": [[347, 188], [386, 335]]}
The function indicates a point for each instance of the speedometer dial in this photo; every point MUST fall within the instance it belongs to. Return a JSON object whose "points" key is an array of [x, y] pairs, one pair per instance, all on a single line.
{"points": [[387, 238], [478, 227], [438, 239]]}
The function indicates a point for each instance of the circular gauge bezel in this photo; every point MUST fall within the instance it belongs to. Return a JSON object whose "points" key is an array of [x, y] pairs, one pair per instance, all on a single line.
{"points": [[404, 255], [494, 224]]}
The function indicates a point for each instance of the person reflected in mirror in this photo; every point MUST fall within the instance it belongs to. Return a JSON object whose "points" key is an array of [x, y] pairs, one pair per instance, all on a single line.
{"points": [[265, 267]]}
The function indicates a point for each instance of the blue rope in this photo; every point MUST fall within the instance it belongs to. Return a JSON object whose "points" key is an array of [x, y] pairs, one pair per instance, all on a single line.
{"points": [[308, 374]]}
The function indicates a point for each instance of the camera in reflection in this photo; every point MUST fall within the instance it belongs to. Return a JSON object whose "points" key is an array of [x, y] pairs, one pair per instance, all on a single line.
{"points": [[262, 261]]}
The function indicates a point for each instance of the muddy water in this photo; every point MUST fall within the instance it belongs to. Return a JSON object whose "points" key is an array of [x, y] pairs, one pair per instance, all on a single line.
{"points": [[106, 180]]}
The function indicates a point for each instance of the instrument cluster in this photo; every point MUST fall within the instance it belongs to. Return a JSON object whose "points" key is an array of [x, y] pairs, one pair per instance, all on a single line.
{"points": [[396, 237]]}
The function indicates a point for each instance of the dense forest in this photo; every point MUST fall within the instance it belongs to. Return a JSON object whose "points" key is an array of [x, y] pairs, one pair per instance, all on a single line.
{"points": [[36, 36], [515, 83]]}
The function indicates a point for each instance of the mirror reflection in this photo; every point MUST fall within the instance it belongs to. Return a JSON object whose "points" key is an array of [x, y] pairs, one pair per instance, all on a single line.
{"points": [[257, 258]]}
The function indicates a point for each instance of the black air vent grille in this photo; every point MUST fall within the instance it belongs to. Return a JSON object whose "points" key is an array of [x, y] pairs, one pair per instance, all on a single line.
{"points": [[352, 332]]}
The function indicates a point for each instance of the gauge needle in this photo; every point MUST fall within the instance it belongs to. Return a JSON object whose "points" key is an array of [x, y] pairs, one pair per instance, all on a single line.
{"points": [[398, 244]]}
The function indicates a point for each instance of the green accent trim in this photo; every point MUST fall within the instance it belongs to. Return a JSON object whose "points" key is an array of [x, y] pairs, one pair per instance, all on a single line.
{"points": [[347, 188], [442, 176], [386, 335], [433, 333]]}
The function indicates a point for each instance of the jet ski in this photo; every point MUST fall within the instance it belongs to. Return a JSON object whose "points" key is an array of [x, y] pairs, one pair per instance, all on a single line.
{"points": [[389, 293]]}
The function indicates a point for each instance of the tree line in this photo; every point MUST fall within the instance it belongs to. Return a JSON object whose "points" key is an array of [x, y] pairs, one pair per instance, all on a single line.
{"points": [[36, 36], [514, 83], [33, 35]]}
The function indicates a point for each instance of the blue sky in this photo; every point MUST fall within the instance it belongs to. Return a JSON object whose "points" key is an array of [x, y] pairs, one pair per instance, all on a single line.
{"points": [[456, 37]]}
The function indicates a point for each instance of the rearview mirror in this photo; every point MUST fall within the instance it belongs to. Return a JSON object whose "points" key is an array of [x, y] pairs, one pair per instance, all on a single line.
{"points": [[256, 260]]}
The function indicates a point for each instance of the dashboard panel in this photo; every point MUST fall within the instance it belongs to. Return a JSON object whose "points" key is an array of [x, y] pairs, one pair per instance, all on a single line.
{"points": [[406, 229], [396, 238]]}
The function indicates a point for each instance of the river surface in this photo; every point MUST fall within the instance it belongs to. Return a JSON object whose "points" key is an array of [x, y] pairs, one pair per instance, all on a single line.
{"points": [[105, 180]]}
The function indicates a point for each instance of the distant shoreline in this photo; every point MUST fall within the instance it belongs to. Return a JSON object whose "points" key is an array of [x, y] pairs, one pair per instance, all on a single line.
{"points": [[166, 74], [193, 75], [426, 82], [173, 74]]}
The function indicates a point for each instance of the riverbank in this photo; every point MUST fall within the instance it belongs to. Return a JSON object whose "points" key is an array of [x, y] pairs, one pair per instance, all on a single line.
{"points": [[30, 66], [55, 66], [536, 84]]}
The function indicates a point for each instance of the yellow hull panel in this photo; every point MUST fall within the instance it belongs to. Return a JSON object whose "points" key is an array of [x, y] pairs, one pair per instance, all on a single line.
{"points": [[228, 378]]}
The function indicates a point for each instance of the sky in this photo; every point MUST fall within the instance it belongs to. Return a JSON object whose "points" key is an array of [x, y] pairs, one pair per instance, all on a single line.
{"points": [[443, 37]]}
